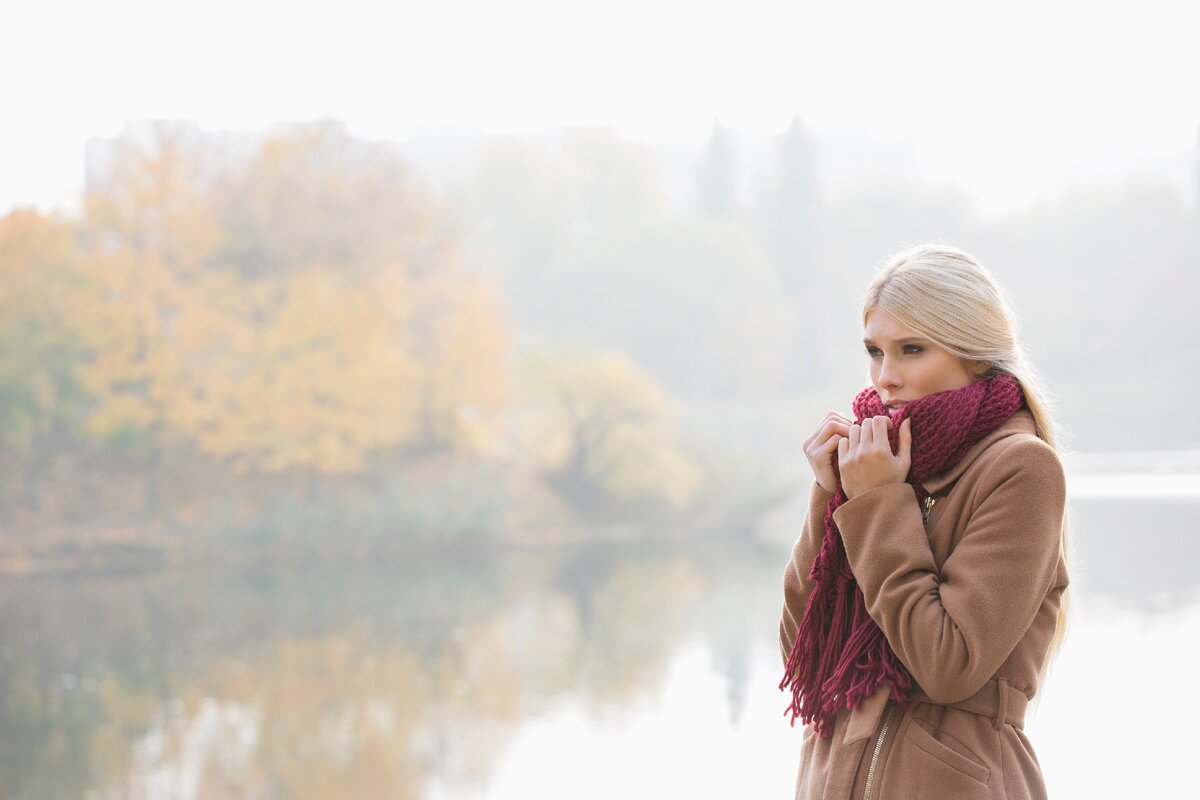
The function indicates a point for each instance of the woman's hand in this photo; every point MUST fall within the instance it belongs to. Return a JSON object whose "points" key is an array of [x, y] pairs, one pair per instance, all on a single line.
{"points": [[820, 446], [865, 456]]}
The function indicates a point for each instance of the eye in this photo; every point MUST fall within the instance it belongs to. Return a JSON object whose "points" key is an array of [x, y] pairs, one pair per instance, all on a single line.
{"points": [[911, 349]]}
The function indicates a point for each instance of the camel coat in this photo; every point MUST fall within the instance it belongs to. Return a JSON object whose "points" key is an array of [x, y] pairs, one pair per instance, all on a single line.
{"points": [[968, 601]]}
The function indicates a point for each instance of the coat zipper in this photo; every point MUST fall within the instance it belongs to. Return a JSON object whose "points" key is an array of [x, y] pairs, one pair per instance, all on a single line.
{"points": [[878, 746]]}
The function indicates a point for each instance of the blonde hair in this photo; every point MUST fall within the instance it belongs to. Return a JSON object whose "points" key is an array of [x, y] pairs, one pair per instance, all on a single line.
{"points": [[948, 296]]}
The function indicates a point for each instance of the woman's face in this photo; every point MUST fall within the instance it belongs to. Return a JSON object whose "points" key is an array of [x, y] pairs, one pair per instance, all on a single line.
{"points": [[905, 365]]}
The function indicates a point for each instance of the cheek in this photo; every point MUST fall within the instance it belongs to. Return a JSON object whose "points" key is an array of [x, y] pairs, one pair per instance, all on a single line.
{"points": [[920, 374], [938, 374]]}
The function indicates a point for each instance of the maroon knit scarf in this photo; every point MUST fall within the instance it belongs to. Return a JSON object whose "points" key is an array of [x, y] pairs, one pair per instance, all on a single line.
{"points": [[840, 655]]}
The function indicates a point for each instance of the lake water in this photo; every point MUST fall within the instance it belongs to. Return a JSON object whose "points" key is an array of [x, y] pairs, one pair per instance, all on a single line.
{"points": [[596, 672]]}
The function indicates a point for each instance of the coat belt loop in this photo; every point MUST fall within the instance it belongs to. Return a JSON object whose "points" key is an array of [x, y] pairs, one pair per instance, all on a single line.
{"points": [[1002, 702]]}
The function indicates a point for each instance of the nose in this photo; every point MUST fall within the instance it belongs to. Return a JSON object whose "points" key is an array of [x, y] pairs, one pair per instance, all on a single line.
{"points": [[888, 377]]}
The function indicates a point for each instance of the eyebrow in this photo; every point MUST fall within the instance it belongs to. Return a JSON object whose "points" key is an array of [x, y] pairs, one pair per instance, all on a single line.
{"points": [[905, 340]]}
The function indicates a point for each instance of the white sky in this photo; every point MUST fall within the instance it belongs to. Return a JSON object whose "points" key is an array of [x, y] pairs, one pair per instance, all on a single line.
{"points": [[1007, 102]]}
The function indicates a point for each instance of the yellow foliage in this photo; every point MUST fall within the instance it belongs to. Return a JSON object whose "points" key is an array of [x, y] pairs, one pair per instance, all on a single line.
{"points": [[599, 412], [461, 339], [39, 286], [32, 248], [156, 199], [311, 364], [644, 462], [325, 380]]}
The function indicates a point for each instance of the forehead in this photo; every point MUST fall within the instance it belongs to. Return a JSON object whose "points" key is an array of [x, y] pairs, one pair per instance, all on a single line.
{"points": [[882, 326]]}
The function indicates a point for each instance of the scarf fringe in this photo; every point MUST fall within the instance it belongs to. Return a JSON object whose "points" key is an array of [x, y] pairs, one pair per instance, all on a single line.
{"points": [[840, 677]]}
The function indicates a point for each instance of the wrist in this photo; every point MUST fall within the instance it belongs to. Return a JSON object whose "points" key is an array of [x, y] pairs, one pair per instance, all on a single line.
{"points": [[859, 491]]}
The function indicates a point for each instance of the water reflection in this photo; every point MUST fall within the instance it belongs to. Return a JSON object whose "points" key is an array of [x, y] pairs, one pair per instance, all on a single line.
{"points": [[494, 676]]}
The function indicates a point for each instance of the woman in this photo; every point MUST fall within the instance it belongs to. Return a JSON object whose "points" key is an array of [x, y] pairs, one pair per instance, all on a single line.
{"points": [[926, 593]]}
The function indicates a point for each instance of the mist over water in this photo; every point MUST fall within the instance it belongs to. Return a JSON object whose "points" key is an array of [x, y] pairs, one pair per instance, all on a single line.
{"points": [[507, 677]]}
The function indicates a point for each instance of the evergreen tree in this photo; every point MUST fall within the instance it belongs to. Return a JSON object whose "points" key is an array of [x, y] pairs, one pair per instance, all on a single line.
{"points": [[792, 210], [1196, 195], [715, 174]]}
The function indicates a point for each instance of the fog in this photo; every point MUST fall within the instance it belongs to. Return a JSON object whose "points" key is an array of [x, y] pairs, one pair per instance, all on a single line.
{"points": [[395, 402]]}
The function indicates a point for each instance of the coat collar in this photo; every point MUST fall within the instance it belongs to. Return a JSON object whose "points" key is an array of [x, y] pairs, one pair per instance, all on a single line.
{"points": [[1021, 421]]}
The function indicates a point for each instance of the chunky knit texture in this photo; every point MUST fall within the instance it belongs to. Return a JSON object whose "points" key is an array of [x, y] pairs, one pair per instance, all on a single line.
{"points": [[840, 655]]}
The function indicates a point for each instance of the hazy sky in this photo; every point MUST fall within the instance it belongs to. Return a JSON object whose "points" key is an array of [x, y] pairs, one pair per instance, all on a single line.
{"points": [[1008, 103]]}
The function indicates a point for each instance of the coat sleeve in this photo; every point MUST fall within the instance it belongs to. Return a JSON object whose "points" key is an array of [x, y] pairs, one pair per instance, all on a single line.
{"points": [[796, 584], [953, 628]]}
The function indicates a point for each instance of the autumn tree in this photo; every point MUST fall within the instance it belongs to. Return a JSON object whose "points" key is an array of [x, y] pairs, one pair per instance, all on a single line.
{"points": [[295, 310], [600, 432], [388, 339], [40, 344], [313, 194]]}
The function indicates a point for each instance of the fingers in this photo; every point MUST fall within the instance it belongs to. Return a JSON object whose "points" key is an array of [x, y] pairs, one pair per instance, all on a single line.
{"points": [[871, 432], [870, 429], [829, 445], [837, 426], [837, 420], [834, 423]]}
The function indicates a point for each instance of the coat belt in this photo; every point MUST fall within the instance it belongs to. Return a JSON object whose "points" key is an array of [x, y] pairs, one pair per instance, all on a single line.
{"points": [[995, 699]]}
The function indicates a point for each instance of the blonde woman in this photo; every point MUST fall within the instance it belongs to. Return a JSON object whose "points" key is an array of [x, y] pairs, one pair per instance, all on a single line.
{"points": [[926, 594]]}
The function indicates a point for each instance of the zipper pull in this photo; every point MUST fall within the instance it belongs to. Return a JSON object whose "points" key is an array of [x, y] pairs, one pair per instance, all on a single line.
{"points": [[929, 501]]}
